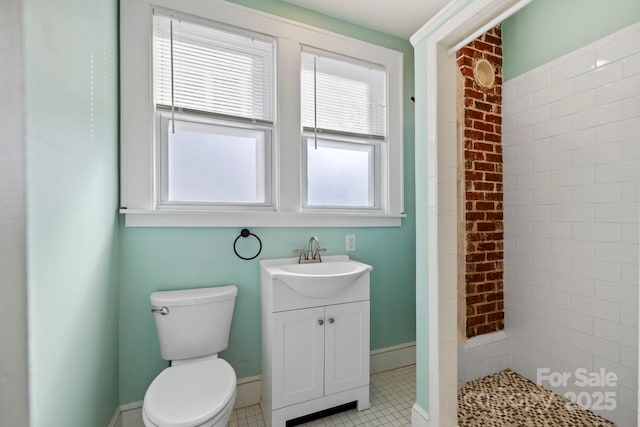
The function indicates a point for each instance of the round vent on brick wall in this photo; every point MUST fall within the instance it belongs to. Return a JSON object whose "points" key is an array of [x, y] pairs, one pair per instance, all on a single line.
{"points": [[484, 74]]}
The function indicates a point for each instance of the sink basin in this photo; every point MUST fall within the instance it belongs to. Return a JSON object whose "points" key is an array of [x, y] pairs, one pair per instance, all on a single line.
{"points": [[320, 280]]}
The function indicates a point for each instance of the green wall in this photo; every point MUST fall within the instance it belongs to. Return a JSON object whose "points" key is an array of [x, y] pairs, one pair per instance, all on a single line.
{"points": [[172, 258], [548, 29], [72, 199]]}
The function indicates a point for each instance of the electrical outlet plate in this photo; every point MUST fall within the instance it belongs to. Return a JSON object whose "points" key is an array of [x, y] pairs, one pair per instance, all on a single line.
{"points": [[350, 242]]}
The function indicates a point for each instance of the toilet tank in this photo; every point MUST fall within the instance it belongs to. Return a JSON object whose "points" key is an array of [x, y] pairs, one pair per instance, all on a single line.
{"points": [[197, 321]]}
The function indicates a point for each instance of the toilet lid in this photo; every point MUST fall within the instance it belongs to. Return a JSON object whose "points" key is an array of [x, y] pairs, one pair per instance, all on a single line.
{"points": [[190, 394]]}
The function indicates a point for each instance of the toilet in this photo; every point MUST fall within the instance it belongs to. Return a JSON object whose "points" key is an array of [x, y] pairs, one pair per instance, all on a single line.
{"points": [[198, 388]]}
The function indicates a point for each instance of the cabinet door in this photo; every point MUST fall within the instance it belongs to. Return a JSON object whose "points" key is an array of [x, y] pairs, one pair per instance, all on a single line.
{"points": [[346, 346], [298, 354]]}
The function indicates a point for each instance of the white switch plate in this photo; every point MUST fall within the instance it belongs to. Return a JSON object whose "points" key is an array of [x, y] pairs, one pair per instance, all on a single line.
{"points": [[350, 242]]}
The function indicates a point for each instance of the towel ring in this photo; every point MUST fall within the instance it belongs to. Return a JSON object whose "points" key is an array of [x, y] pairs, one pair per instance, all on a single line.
{"points": [[246, 233]]}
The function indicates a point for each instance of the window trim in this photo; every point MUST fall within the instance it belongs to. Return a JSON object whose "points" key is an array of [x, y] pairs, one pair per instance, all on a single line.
{"points": [[138, 192]]}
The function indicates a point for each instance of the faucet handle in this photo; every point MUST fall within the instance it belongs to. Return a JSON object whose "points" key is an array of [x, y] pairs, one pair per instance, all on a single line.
{"points": [[302, 253], [317, 255]]}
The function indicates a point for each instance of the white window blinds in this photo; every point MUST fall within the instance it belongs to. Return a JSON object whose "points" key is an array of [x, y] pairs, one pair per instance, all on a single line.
{"points": [[197, 67], [343, 95]]}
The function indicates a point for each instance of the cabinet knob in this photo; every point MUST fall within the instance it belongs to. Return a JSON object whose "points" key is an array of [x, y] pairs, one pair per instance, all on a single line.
{"points": [[331, 320], [320, 322]]}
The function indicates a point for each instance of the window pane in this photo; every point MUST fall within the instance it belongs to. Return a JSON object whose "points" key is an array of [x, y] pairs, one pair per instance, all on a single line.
{"points": [[340, 174], [343, 95], [216, 164]]}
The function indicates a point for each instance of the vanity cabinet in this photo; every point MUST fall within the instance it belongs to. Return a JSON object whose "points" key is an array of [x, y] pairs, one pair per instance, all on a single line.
{"points": [[315, 351], [318, 351]]}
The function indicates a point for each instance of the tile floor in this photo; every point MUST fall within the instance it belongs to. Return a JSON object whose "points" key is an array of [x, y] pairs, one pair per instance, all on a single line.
{"points": [[392, 393]]}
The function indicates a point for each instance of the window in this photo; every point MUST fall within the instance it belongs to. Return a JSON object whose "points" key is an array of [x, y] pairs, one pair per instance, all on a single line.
{"points": [[232, 117], [343, 107], [213, 152]]}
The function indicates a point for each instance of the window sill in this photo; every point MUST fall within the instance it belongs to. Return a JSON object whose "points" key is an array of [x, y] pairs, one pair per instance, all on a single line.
{"points": [[190, 218]]}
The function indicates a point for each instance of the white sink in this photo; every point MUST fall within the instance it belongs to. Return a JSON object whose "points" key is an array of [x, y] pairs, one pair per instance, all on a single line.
{"points": [[319, 280]]}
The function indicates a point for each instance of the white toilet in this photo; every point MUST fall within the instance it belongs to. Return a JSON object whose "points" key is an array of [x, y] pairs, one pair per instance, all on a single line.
{"points": [[198, 389]]}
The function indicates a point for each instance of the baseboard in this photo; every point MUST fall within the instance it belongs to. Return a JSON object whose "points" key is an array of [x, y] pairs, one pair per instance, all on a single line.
{"points": [[388, 358], [248, 391], [419, 417]]}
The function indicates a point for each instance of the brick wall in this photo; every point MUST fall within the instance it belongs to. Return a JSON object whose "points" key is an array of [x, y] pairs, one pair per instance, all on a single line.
{"points": [[483, 210]]}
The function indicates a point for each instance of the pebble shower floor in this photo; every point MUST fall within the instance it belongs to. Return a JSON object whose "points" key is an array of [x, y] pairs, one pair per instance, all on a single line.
{"points": [[393, 395]]}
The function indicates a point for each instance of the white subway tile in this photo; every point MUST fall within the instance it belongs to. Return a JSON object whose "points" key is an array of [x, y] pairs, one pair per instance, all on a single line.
{"points": [[555, 331], [572, 284], [616, 212], [518, 105], [508, 123], [508, 184], [553, 230], [596, 193], [573, 248], [616, 292], [572, 320], [517, 136], [619, 49], [628, 357], [618, 131], [631, 65], [551, 196], [598, 308], [597, 116], [533, 213], [599, 154], [553, 264], [631, 107], [534, 148], [552, 127], [508, 153], [618, 171], [519, 228], [551, 162], [533, 82], [620, 252], [573, 176], [630, 192], [616, 332], [508, 92], [597, 346], [573, 104], [597, 232], [597, 270], [534, 180], [598, 77], [572, 212], [518, 198], [628, 31], [532, 245], [531, 117], [618, 90], [571, 355], [552, 93], [517, 167], [629, 315], [550, 297], [630, 233], [630, 274], [532, 276], [627, 377], [631, 150], [580, 65], [573, 140]]}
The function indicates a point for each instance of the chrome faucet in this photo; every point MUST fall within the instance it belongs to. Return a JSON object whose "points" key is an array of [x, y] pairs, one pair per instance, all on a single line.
{"points": [[310, 256]]}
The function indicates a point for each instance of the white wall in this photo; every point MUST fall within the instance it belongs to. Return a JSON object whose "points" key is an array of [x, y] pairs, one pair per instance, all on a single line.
{"points": [[14, 405], [571, 134]]}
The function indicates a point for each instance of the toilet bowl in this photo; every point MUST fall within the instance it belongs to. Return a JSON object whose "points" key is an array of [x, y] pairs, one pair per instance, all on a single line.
{"points": [[198, 389]]}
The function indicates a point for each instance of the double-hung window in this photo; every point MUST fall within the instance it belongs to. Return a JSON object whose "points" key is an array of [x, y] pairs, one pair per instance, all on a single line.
{"points": [[343, 109], [213, 98], [233, 117]]}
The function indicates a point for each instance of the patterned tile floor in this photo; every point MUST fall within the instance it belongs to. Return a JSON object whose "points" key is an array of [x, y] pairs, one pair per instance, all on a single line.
{"points": [[392, 393], [507, 399]]}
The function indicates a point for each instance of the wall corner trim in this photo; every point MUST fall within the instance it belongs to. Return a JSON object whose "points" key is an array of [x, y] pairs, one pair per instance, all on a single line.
{"points": [[419, 417], [485, 339]]}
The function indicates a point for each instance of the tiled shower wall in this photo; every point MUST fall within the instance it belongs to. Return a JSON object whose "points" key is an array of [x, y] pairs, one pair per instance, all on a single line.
{"points": [[571, 134]]}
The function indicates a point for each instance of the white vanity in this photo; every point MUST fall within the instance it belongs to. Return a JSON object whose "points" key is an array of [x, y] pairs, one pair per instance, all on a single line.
{"points": [[315, 336]]}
